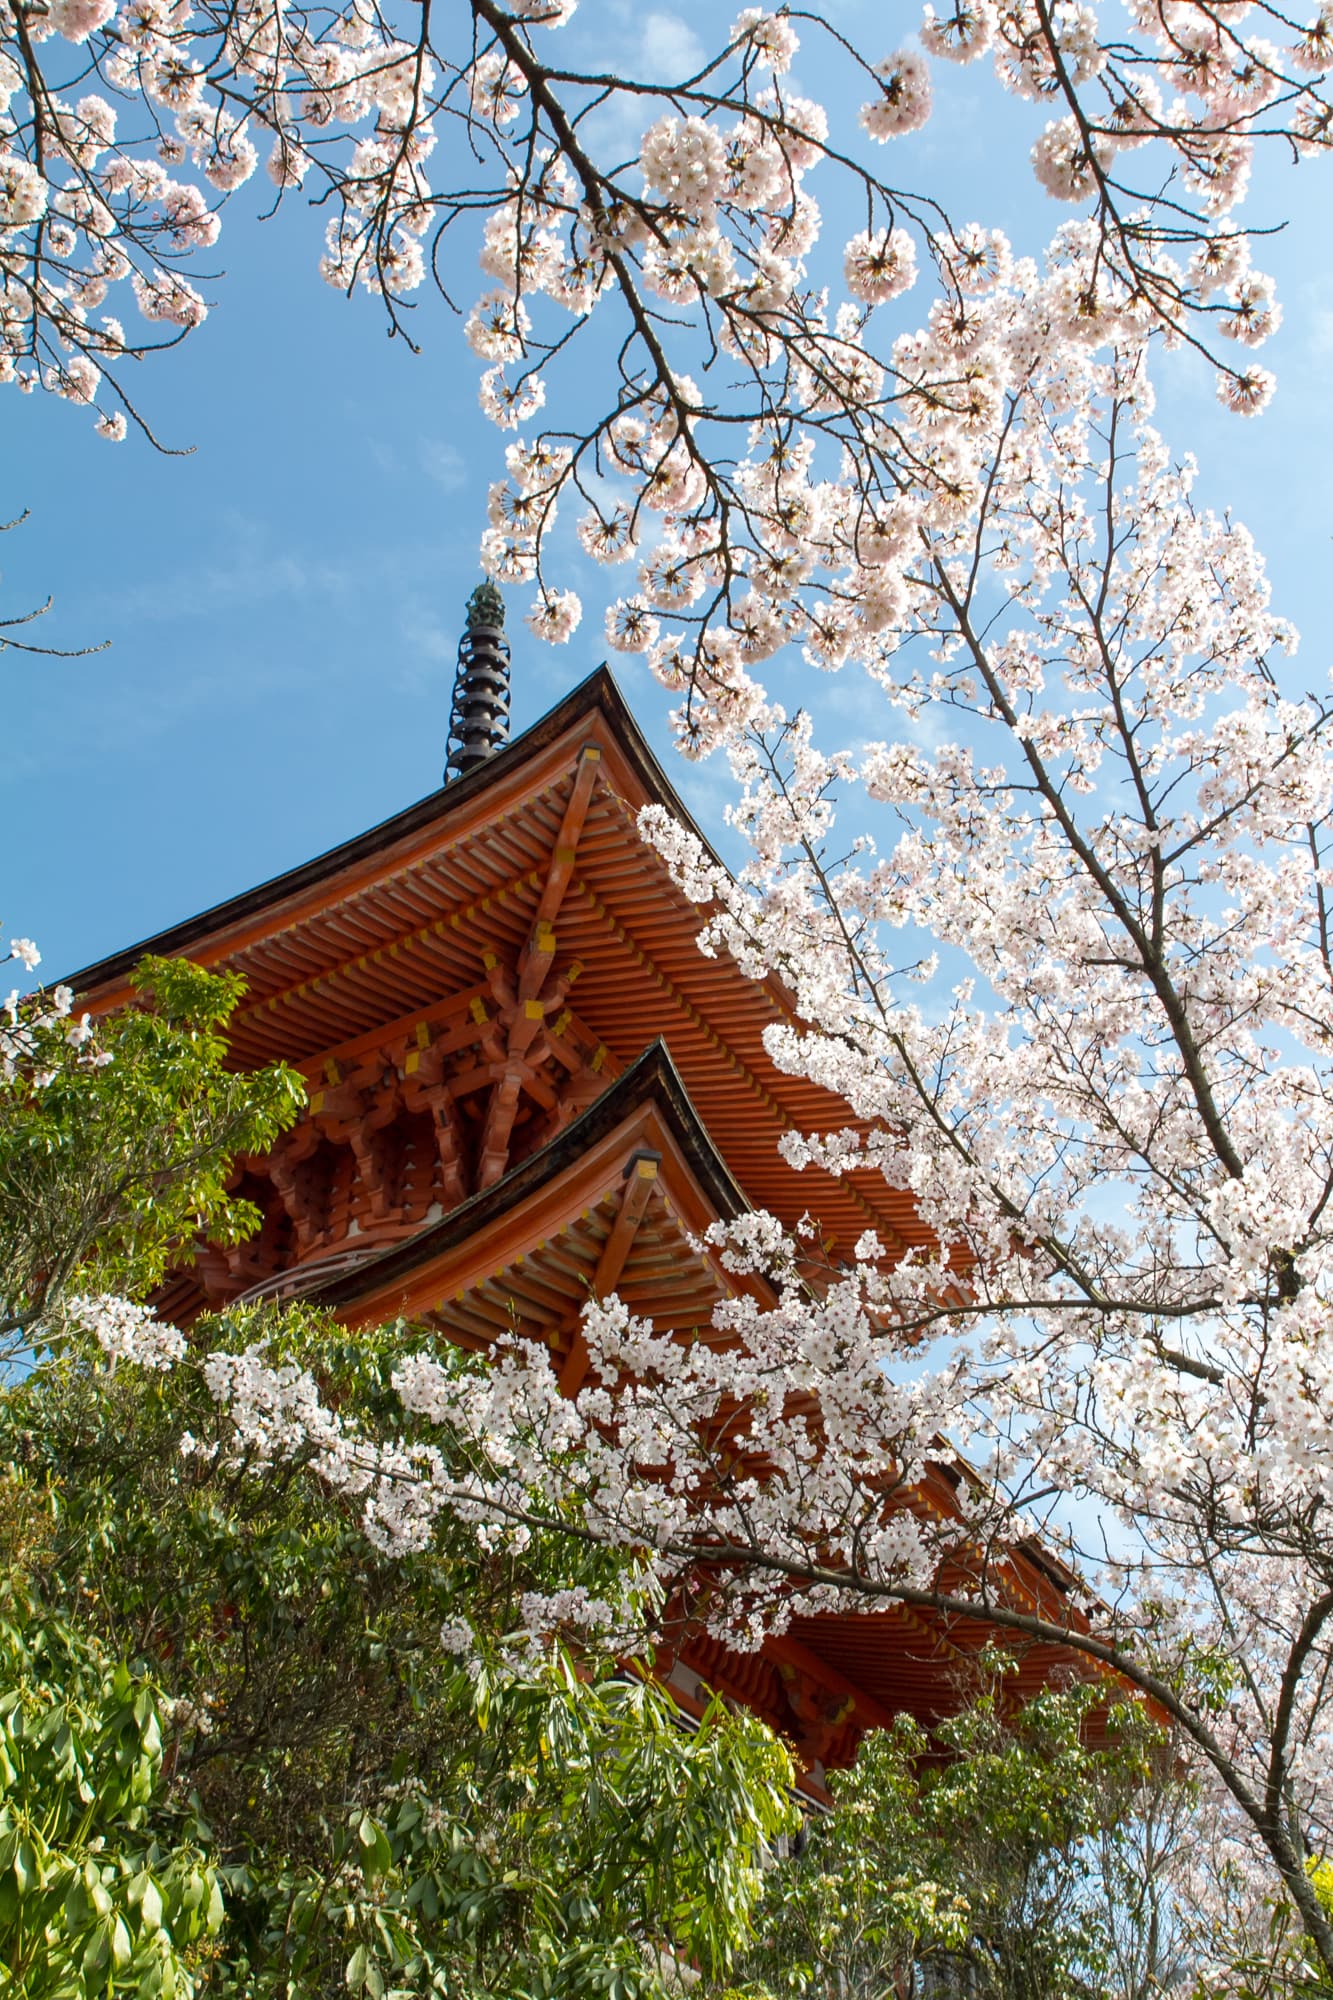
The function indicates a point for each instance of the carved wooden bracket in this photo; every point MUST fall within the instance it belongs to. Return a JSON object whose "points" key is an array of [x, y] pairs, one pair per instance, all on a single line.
{"points": [[497, 1072]]}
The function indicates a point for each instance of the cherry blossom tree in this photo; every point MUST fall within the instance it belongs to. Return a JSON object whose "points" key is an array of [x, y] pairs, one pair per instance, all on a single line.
{"points": [[1079, 997], [1117, 1124]]}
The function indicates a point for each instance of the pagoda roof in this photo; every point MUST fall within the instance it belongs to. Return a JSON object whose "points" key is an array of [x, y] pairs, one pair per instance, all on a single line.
{"points": [[646, 1104], [397, 925], [528, 1088], [487, 1242]]}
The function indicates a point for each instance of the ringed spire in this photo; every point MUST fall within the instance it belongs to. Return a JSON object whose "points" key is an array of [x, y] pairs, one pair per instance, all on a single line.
{"points": [[479, 719]]}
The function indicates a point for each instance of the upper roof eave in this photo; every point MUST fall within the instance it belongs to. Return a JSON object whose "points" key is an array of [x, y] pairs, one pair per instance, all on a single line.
{"points": [[599, 693]]}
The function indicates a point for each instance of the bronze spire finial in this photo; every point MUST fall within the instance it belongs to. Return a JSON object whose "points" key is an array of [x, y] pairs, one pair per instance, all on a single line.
{"points": [[486, 607], [479, 720]]}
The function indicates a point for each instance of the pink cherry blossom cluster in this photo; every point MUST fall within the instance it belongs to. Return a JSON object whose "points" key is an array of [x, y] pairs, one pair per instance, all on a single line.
{"points": [[1117, 1128], [860, 439], [125, 1331], [277, 1417], [127, 123], [124, 185]]}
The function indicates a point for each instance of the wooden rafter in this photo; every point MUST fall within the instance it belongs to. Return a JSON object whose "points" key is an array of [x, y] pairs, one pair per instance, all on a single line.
{"points": [[566, 849], [639, 1187]]}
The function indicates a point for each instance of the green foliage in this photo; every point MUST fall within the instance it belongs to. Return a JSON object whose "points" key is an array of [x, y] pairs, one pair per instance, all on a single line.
{"points": [[381, 1818], [238, 1757], [103, 1889], [114, 1151], [975, 1863]]}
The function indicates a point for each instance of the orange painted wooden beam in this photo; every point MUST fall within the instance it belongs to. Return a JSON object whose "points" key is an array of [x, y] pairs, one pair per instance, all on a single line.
{"points": [[639, 1188], [870, 1713], [493, 1154], [571, 828]]}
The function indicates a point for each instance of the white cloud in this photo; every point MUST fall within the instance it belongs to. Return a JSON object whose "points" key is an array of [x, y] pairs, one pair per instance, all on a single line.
{"points": [[669, 49], [247, 570], [426, 635], [1321, 331], [442, 462], [663, 50]]}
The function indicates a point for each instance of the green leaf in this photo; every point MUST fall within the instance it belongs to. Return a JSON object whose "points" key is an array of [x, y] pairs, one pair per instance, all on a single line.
{"points": [[121, 1949], [26, 1871], [376, 1853], [355, 1974], [150, 1908], [78, 1906], [97, 1951]]}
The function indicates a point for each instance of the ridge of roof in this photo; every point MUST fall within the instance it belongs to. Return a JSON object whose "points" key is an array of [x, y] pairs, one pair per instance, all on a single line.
{"points": [[652, 1077], [598, 691]]}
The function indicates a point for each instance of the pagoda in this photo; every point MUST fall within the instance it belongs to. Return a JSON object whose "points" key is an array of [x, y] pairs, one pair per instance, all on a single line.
{"points": [[529, 1088]]}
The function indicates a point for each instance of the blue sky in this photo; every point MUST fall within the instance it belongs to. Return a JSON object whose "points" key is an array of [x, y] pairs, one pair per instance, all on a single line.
{"points": [[283, 604]]}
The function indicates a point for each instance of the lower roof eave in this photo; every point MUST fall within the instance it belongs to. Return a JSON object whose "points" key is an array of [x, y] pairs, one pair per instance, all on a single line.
{"points": [[652, 1079]]}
